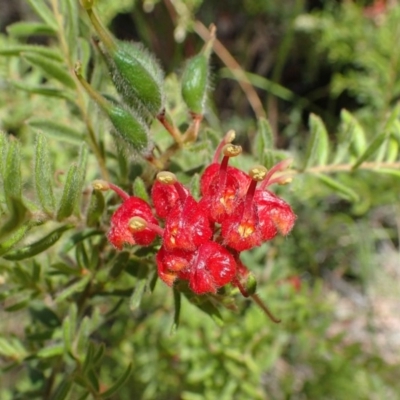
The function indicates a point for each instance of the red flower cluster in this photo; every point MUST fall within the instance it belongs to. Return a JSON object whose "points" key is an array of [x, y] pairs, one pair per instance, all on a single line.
{"points": [[202, 240]]}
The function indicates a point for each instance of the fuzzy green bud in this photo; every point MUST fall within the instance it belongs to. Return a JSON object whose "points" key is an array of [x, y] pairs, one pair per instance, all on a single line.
{"points": [[251, 284], [195, 83], [129, 128], [127, 125], [137, 77]]}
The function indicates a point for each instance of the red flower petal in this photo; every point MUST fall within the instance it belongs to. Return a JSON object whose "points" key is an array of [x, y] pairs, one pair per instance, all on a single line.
{"points": [[120, 234]]}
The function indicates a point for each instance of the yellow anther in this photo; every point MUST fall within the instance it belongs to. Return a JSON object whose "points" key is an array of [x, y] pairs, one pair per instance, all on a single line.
{"points": [[98, 184], [231, 150], [258, 173], [167, 178]]}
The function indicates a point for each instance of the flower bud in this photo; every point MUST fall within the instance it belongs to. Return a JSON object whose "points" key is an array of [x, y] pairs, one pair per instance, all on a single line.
{"points": [[127, 126], [137, 76], [195, 83]]}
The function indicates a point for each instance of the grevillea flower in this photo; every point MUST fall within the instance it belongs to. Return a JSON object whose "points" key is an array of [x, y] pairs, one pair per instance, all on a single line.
{"points": [[202, 240], [120, 232]]}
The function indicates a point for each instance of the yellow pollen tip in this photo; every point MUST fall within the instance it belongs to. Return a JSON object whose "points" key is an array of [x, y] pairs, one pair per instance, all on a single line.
{"points": [[100, 185], [230, 150], [137, 224], [258, 173], [167, 178]]}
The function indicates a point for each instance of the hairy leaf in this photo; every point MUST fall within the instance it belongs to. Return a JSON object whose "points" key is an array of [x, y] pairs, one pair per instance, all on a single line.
{"points": [[25, 29], [318, 146], [118, 384], [56, 130], [51, 68], [264, 143], [38, 247], [70, 194], [338, 187], [44, 175], [371, 149]]}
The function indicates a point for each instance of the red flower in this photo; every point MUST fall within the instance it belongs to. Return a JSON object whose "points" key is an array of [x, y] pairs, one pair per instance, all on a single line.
{"points": [[120, 232]]}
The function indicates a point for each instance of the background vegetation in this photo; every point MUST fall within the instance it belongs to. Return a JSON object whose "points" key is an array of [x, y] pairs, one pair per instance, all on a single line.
{"points": [[81, 320]]}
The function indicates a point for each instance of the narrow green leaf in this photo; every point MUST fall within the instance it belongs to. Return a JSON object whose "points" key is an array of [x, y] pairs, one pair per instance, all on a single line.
{"points": [[3, 152], [67, 334], [71, 19], [338, 187], [92, 379], [12, 348], [82, 167], [66, 270], [45, 90], [80, 237], [119, 264], [389, 171], [98, 354], [44, 175], [96, 208], [17, 50], [16, 217], [138, 292], [36, 271], [318, 146], [371, 149], [139, 189], [76, 287], [358, 137], [177, 308], [81, 256], [8, 244], [82, 336], [264, 143], [39, 246], [88, 364], [70, 194], [195, 186], [392, 151], [56, 130], [51, 68], [43, 314], [12, 175], [51, 351], [20, 305], [44, 12], [118, 384], [63, 389], [25, 29]]}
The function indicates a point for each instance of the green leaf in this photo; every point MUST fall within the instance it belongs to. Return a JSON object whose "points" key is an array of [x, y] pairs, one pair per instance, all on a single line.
{"points": [[12, 348], [139, 189], [69, 327], [3, 152], [13, 223], [70, 194], [318, 146], [119, 264], [96, 208], [44, 12], [71, 13], [51, 68], [51, 351], [139, 290], [44, 175], [81, 256], [8, 244], [56, 130], [80, 237], [82, 167], [44, 315], [264, 143], [25, 29], [17, 50], [371, 149], [12, 174], [45, 91], [118, 384], [39, 246], [177, 308], [344, 191], [63, 389], [358, 137], [78, 286]]}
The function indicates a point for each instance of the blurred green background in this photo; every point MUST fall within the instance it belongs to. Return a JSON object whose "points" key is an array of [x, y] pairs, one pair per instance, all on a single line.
{"points": [[79, 317]]}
